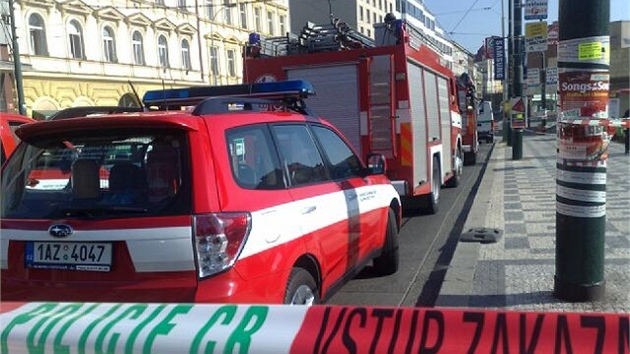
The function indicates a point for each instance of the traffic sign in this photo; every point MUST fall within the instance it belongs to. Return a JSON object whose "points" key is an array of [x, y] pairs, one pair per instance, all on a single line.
{"points": [[517, 105], [535, 9], [517, 113]]}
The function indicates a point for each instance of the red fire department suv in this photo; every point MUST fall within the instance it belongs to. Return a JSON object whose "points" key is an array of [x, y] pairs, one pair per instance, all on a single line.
{"points": [[223, 199]]}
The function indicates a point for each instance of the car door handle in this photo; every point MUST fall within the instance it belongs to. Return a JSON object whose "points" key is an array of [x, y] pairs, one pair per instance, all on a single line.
{"points": [[272, 238], [309, 209]]}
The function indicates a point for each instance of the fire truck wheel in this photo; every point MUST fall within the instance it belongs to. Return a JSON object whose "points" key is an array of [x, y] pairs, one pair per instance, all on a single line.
{"points": [[387, 263], [470, 158], [433, 199], [301, 288], [458, 171]]}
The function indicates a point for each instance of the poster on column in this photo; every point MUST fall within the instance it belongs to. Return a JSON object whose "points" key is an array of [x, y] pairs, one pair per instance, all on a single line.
{"points": [[585, 89]]}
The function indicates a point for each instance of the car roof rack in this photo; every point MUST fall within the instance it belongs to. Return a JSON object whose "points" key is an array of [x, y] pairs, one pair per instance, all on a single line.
{"points": [[290, 92], [84, 111]]}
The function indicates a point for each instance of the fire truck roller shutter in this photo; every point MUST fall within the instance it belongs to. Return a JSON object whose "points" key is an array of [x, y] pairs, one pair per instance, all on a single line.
{"points": [[418, 124], [445, 121], [336, 98]]}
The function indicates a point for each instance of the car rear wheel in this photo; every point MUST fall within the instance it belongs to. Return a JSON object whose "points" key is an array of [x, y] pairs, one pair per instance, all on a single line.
{"points": [[301, 288], [388, 262]]}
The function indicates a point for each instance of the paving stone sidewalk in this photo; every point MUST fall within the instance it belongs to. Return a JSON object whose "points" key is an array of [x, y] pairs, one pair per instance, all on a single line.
{"points": [[517, 272]]}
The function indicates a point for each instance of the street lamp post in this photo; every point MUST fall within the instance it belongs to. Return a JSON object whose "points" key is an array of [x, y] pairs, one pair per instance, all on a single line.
{"points": [[17, 63], [199, 44]]}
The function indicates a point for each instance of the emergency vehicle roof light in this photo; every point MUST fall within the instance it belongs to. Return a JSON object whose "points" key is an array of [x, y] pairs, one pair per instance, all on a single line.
{"points": [[191, 96]]}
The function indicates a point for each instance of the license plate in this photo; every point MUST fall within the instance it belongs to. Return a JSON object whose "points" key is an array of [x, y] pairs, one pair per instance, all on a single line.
{"points": [[84, 256]]}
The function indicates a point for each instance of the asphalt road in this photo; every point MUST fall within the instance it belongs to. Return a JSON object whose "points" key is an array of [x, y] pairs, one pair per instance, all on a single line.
{"points": [[427, 244]]}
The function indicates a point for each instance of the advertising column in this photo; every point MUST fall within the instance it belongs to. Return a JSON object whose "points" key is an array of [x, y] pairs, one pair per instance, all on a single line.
{"points": [[583, 57]]}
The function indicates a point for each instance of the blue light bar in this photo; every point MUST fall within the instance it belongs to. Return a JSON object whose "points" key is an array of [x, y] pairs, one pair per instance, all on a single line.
{"points": [[195, 94]]}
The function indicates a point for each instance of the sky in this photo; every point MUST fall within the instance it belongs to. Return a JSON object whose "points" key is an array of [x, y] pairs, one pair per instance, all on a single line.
{"points": [[468, 22]]}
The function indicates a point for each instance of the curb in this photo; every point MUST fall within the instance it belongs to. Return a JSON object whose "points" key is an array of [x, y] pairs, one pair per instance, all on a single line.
{"points": [[457, 285]]}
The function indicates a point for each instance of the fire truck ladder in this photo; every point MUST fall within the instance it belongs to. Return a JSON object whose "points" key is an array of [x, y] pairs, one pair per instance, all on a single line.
{"points": [[418, 38], [280, 46], [313, 38], [332, 37]]}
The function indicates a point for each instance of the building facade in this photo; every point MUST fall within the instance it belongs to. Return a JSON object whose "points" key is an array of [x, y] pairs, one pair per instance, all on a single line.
{"points": [[620, 67], [463, 61], [102, 52]]}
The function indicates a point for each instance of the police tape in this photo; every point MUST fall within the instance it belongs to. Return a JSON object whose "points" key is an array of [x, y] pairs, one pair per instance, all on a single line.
{"points": [[191, 328], [619, 123]]}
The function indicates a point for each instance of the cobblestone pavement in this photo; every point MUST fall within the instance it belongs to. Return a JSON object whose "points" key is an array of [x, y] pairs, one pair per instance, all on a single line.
{"points": [[517, 272]]}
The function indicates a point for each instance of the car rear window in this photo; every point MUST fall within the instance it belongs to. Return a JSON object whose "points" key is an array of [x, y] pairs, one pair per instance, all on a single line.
{"points": [[99, 175]]}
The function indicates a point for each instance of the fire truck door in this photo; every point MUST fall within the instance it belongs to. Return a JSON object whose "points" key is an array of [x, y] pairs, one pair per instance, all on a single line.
{"points": [[336, 98]]}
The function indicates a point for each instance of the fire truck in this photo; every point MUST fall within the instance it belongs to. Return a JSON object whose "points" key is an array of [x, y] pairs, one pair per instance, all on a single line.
{"points": [[470, 107], [392, 96]]}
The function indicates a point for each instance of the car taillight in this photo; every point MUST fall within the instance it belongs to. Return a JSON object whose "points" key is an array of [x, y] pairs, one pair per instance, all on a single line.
{"points": [[219, 238]]}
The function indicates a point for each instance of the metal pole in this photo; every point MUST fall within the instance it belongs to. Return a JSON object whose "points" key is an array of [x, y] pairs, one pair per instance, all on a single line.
{"points": [[505, 79], [17, 63], [507, 130], [199, 43], [519, 123], [518, 48], [543, 75], [583, 70]]}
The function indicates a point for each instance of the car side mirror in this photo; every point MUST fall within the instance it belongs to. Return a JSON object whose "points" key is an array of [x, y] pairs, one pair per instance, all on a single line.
{"points": [[376, 163]]}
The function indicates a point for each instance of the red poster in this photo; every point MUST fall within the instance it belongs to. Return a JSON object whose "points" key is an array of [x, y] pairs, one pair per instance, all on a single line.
{"points": [[586, 91]]}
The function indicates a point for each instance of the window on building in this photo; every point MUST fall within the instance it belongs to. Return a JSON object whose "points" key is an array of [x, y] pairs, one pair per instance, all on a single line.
{"points": [[209, 9], [138, 48], [231, 62], [37, 34], [270, 23], [214, 61], [257, 19], [186, 55], [163, 51], [374, 17], [367, 13], [186, 64], [361, 13], [283, 25], [109, 45], [243, 10], [159, 2], [181, 4], [227, 8], [75, 38]]}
